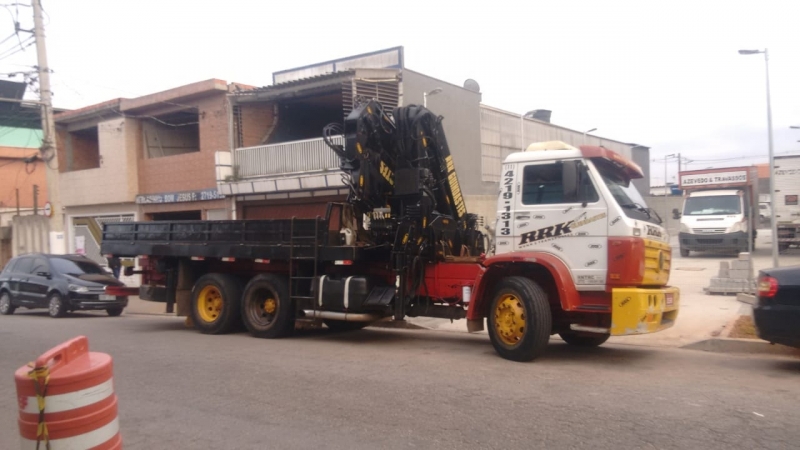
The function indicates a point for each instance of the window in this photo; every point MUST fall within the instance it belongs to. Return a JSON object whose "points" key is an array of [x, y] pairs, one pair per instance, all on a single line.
{"points": [[24, 265], [39, 265], [542, 185], [171, 134], [10, 266], [710, 206], [790, 200], [83, 149], [76, 267]]}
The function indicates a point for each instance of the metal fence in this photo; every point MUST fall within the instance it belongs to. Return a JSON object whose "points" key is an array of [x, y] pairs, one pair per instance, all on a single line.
{"points": [[310, 155]]}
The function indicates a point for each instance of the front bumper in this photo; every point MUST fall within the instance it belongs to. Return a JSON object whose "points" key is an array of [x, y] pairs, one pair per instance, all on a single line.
{"points": [[643, 311], [778, 324], [92, 302], [726, 241]]}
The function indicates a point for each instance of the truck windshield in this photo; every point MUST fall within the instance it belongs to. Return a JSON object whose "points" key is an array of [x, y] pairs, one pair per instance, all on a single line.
{"points": [[626, 194], [710, 206]]}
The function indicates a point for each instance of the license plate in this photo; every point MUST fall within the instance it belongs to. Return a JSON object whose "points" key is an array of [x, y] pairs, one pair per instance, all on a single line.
{"points": [[670, 299], [107, 297]]}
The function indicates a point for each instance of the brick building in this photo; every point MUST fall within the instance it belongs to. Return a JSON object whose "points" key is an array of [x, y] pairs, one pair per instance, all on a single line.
{"points": [[145, 158]]}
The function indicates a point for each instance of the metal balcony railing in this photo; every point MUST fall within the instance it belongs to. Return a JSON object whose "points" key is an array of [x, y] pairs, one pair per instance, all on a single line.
{"points": [[310, 155]]}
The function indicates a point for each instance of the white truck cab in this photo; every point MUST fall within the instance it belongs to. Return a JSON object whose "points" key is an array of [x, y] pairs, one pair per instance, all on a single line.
{"points": [[580, 205], [719, 210]]}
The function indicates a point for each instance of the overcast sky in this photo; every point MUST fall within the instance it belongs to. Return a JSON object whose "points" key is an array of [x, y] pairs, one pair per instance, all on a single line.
{"points": [[662, 74]]}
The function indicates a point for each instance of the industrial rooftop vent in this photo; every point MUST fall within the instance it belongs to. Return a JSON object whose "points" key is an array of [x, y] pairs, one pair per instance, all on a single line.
{"points": [[539, 114], [472, 85]]}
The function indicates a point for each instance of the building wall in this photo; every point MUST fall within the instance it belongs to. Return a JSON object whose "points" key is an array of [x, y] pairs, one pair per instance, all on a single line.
{"points": [[115, 181], [15, 174], [256, 122], [462, 123], [188, 171]]}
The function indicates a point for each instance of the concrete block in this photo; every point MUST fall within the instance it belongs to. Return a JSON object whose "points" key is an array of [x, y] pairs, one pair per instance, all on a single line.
{"points": [[739, 274], [744, 256], [724, 265], [724, 273], [740, 265]]}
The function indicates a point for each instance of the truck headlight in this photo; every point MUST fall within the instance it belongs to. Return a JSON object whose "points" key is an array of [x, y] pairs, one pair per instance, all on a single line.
{"points": [[685, 229], [737, 227], [76, 288]]}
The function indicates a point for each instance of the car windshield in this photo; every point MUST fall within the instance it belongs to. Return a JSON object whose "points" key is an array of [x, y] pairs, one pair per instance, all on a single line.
{"points": [[710, 206], [75, 268], [626, 194]]}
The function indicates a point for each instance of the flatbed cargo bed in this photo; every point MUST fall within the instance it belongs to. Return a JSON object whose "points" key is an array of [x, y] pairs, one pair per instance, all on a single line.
{"points": [[279, 239]]}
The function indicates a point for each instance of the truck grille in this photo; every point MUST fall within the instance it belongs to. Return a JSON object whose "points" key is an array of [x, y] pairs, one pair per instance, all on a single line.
{"points": [[708, 230], [709, 241]]}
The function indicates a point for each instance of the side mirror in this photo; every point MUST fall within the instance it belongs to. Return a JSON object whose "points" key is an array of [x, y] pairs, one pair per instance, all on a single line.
{"points": [[675, 213], [571, 179], [44, 274]]}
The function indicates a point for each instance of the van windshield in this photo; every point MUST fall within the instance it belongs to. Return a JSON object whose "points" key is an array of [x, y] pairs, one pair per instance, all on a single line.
{"points": [[711, 206]]}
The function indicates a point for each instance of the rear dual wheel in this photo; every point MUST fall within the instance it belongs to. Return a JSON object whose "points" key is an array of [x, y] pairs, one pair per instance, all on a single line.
{"points": [[216, 303], [267, 310]]}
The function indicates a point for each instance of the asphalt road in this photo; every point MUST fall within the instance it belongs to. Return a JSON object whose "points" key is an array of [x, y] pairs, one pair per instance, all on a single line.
{"points": [[412, 389]]}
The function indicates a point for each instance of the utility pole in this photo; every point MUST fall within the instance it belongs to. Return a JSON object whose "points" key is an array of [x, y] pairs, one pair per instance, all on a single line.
{"points": [[48, 149]]}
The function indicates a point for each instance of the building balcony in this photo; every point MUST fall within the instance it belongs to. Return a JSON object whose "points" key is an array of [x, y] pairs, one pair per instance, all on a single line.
{"points": [[307, 165]]}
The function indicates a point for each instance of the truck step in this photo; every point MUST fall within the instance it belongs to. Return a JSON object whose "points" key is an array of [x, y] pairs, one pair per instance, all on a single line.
{"points": [[303, 297]]}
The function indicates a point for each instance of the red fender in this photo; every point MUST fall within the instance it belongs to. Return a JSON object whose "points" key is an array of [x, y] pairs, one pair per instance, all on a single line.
{"points": [[567, 293]]}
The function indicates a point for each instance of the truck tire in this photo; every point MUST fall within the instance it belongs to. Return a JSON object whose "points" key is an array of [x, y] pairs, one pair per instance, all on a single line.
{"points": [[267, 310], [114, 312], [684, 253], [216, 299], [519, 319], [338, 326], [583, 340]]}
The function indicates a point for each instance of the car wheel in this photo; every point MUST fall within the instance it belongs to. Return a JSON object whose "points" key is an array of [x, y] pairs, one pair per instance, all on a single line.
{"points": [[114, 312], [6, 307], [684, 253], [56, 307]]}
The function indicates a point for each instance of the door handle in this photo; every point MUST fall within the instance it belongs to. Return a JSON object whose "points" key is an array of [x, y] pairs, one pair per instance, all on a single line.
{"points": [[522, 217]]}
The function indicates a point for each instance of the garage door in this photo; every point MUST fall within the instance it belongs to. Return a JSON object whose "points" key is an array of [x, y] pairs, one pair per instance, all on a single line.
{"points": [[286, 209]]}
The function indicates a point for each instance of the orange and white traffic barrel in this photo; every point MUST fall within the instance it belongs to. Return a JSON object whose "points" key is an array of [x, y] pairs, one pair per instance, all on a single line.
{"points": [[67, 400]]}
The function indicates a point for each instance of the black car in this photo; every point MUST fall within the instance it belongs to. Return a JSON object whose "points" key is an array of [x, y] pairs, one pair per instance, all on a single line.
{"points": [[60, 283], [777, 314]]}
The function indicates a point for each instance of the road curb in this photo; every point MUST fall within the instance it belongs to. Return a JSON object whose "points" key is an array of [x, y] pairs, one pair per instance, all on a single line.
{"points": [[751, 346]]}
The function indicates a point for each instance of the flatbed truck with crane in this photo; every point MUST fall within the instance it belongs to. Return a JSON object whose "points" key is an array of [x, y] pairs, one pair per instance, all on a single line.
{"points": [[576, 253]]}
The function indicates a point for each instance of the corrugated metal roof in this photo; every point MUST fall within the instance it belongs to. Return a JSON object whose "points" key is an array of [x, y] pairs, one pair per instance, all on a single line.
{"points": [[335, 76]]}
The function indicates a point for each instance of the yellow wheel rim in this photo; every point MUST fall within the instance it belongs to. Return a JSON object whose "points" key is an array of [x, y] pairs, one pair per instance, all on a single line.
{"points": [[509, 319], [209, 304], [270, 306]]}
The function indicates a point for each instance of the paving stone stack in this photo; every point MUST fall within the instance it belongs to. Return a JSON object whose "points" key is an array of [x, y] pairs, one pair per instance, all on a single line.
{"points": [[734, 277]]}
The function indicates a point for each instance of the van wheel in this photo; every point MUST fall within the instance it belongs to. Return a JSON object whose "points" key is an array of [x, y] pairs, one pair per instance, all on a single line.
{"points": [[215, 303], [583, 340], [684, 253], [519, 319], [267, 310]]}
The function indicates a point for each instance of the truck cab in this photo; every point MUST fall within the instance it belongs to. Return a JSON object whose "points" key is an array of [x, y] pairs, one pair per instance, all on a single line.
{"points": [[580, 206], [719, 210]]}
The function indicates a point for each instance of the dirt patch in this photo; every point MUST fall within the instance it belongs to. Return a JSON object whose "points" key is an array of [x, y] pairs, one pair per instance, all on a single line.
{"points": [[744, 328]]}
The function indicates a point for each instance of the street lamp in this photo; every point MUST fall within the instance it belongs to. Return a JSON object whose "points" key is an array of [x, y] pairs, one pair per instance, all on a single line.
{"points": [[773, 225], [587, 131], [426, 94]]}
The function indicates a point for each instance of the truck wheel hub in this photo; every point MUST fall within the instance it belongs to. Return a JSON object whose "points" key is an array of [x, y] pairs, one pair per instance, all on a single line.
{"points": [[509, 320]]}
